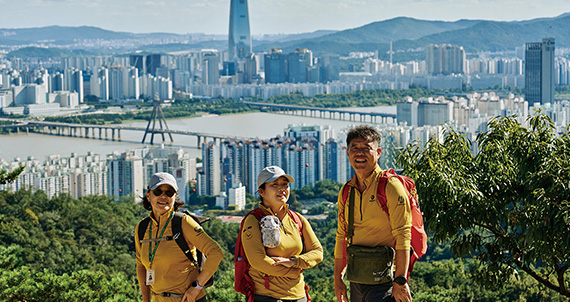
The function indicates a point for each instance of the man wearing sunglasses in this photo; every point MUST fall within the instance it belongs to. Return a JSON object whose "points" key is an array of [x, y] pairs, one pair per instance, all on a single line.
{"points": [[164, 272]]}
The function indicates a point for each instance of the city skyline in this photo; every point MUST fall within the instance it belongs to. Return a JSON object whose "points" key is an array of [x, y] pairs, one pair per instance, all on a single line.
{"points": [[266, 17]]}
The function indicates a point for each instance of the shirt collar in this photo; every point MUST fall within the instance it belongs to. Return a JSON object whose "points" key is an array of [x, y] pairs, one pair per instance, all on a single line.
{"points": [[368, 180], [269, 211], [162, 217]]}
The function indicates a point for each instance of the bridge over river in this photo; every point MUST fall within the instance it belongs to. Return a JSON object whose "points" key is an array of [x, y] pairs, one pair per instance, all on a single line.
{"points": [[328, 113], [112, 132]]}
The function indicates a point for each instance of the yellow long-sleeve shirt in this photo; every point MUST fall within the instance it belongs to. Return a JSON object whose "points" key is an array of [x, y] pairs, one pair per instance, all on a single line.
{"points": [[373, 226], [284, 283], [174, 272]]}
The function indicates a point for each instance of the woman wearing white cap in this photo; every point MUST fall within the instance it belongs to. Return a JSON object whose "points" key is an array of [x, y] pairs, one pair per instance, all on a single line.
{"points": [[164, 272], [281, 244]]}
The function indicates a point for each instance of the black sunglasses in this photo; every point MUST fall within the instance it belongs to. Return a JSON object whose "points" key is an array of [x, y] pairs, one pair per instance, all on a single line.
{"points": [[157, 192]]}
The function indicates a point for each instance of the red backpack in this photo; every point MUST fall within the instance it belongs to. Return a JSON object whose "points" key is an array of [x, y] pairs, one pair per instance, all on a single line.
{"points": [[419, 236], [243, 282]]}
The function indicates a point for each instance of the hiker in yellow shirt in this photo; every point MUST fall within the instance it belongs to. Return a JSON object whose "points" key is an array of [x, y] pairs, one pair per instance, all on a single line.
{"points": [[278, 254], [372, 227], [164, 272]]}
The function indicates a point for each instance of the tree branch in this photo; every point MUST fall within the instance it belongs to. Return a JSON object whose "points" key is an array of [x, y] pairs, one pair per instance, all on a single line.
{"points": [[543, 281], [560, 270]]}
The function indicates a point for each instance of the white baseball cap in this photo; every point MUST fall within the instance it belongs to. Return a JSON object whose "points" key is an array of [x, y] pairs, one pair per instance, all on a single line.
{"points": [[162, 178], [271, 173]]}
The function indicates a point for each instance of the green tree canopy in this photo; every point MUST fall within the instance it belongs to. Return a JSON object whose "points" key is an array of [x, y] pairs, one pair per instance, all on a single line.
{"points": [[506, 206]]}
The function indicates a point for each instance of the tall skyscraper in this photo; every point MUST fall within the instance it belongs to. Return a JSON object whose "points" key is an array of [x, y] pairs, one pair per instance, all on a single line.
{"points": [[239, 36], [539, 71]]}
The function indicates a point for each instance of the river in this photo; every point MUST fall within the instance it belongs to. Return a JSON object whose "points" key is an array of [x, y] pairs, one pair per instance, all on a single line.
{"points": [[255, 125]]}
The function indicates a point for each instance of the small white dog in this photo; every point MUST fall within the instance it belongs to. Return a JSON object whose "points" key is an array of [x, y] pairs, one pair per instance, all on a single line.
{"points": [[269, 226]]}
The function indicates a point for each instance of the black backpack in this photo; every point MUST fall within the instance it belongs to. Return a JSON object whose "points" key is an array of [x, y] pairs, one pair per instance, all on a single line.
{"points": [[178, 236]]}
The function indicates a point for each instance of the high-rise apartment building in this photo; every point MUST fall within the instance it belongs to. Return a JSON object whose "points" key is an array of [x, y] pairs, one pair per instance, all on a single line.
{"points": [[335, 161], [211, 168], [146, 63], [539, 76], [124, 83], [210, 67], [407, 111], [74, 82], [250, 69], [153, 62], [275, 66], [239, 35], [29, 94], [445, 59], [298, 63], [125, 175], [236, 197], [426, 111], [99, 83]]}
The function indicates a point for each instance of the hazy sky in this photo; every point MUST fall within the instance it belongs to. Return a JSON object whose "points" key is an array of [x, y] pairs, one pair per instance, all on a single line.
{"points": [[266, 16]]}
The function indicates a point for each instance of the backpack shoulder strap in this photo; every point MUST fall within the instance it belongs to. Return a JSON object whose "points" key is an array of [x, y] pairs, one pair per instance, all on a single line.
{"points": [[381, 190], [350, 226], [179, 237], [299, 222], [143, 225], [258, 213], [346, 189], [297, 219]]}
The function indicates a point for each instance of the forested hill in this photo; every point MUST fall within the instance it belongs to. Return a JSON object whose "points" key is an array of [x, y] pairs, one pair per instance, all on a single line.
{"points": [[66, 249], [408, 34]]}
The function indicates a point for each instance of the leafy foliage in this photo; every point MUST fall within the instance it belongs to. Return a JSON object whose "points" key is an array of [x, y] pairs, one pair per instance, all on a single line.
{"points": [[507, 206], [65, 249], [8, 177], [25, 284], [364, 98], [44, 240]]}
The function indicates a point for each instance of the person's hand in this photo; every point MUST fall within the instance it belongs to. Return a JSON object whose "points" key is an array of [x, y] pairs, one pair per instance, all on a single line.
{"points": [[287, 262], [190, 294], [340, 290], [401, 293]]}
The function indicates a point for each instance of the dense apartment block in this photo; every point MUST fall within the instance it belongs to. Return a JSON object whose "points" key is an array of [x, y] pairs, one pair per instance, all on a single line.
{"points": [[75, 175]]}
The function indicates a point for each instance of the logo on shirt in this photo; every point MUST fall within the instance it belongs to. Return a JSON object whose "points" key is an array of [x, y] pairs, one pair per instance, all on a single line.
{"points": [[248, 235], [371, 198]]}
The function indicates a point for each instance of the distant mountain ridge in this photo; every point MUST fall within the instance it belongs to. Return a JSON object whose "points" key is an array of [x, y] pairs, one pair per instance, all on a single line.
{"points": [[60, 33], [408, 35]]}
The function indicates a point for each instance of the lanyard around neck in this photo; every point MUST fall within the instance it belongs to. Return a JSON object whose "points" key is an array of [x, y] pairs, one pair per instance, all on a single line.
{"points": [[151, 254]]}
